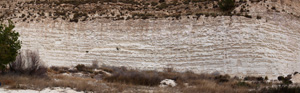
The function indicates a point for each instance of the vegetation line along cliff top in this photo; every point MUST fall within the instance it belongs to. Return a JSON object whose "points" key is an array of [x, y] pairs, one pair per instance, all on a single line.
{"points": [[84, 10]]}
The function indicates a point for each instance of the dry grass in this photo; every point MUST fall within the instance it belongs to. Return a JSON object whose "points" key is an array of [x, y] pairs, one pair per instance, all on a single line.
{"points": [[153, 78], [135, 77], [211, 86], [13, 81], [188, 82], [57, 70], [80, 84], [39, 83], [129, 80], [281, 89]]}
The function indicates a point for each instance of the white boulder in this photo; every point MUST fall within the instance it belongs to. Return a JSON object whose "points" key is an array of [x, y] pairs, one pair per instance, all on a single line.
{"points": [[167, 82]]}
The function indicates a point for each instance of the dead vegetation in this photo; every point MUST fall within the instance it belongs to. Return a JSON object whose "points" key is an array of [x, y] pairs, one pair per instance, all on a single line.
{"points": [[122, 75], [38, 83], [95, 78], [28, 62]]}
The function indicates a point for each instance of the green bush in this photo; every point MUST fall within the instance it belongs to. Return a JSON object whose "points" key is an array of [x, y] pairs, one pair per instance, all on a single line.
{"points": [[9, 44], [226, 5]]}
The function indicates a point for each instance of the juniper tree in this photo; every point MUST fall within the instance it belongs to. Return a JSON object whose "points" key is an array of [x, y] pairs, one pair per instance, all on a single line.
{"points": [[9, 44]]}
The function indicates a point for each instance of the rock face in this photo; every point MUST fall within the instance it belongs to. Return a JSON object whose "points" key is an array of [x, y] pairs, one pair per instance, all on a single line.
{"points": [[226, 44], [233, 45]]}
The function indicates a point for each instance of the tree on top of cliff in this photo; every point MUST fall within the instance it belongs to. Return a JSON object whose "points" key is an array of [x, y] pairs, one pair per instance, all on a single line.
{"points": [[9, 44], [226, 5]]}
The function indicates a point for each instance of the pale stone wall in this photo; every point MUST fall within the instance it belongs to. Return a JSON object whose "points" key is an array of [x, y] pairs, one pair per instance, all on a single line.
{"points": [[232, 45]]}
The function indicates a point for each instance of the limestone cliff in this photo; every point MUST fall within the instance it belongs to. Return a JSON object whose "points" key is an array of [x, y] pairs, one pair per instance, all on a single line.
{"points": [[262, 40]]}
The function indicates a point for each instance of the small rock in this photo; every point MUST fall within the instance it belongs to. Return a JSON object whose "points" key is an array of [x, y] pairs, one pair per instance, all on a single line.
{"points": [[66, 74], [78, 74]]}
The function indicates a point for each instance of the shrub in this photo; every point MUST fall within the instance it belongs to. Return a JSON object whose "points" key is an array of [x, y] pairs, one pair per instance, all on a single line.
{"points": [[61, 69], [273, 8], [177, 16], [60, 13], [285, 80], [140, 15], [74, 20], [77, 16], [226, 5], [23, 15], [80, 67], [248, 16], [107, 69], [280, 78], [266, 78], [296, 73], [281, 89], [258, 17], [195, 1], [161, 1], [83, 68], [242, 84], [129, 1], [152, 78], [95, 64], [253, 78], [9, 44], [162, 6], [154, 3], [28, 63], [135, 77], [18, 65], [222, 78], [186, 1]]}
